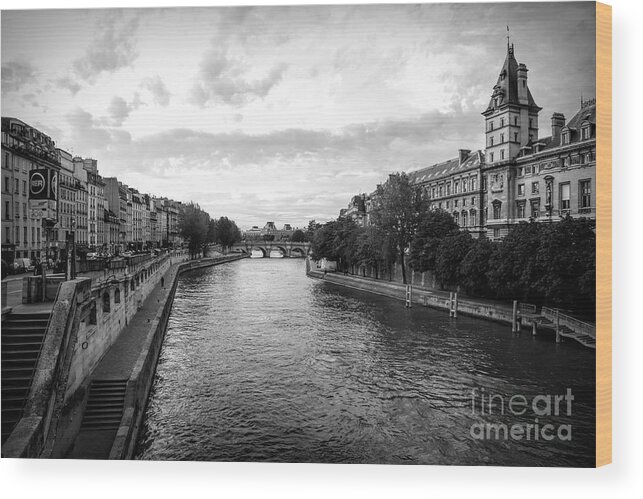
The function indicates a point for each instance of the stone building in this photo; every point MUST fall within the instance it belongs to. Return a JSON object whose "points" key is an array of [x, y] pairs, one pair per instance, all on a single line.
{"points": [[520, 176], [25, 148]]}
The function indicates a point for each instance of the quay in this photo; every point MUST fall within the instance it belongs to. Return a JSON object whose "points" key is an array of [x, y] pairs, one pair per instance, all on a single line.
{"points": [[76, 372], [518, 316]]}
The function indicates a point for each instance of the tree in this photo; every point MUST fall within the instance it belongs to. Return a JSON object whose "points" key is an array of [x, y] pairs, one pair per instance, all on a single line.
{"points": [[432, 228], [449, 257], [310, 230], [298, 236], [225, 232], [397, 209], [475, 268], [193, 227]]}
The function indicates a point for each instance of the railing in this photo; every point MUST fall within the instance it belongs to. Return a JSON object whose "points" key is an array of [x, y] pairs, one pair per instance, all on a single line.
{"points": [[571, 322]]}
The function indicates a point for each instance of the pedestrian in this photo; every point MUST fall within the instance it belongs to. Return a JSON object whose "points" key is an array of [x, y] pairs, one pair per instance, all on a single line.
{"points": [[163, 282]]}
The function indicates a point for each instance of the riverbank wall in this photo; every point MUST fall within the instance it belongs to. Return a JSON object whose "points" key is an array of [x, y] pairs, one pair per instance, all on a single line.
{"points": [[420, 296], [142, 377]]}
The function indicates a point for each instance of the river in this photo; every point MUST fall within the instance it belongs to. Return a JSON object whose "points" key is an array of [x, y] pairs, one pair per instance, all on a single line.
{"points": [[261, 363]]}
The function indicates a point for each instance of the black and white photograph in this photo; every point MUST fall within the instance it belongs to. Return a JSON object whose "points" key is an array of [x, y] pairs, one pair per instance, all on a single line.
{"points": [[329, 234]]}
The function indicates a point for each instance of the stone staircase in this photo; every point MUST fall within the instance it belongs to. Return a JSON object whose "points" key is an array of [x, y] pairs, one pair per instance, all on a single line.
{"points": [[584, 339], [105, 405], [22, 338]]}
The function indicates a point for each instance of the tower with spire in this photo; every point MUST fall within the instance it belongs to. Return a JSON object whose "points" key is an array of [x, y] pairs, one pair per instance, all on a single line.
{"points": [[511, 118]]}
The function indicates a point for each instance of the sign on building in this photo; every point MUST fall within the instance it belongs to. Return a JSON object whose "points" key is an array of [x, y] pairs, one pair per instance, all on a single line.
{"points": [[43, 184]]}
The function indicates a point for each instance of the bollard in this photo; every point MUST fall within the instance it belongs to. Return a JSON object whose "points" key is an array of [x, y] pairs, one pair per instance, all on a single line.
{"points": [[514, 317], [455, 305], [533, 328], [558, 338]]}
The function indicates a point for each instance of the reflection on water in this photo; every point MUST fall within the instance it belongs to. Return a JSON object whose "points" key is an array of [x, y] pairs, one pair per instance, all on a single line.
{"points": [[261, 363]]}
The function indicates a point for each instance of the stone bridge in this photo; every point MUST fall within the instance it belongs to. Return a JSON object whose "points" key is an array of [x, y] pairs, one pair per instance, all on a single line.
{"points": [[286, 248]]}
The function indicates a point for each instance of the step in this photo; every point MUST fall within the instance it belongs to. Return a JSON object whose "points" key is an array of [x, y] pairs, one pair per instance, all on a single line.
{"points": [[19, 381], [101, 426], [14, 391], [111, 402], [22, 338], [24, 325], [36, 316], [20, 362]]}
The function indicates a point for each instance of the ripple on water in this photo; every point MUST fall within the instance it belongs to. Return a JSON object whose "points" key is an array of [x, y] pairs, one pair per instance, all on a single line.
{"points": [[260, 363]]}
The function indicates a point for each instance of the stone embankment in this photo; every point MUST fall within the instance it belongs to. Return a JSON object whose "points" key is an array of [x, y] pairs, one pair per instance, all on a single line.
{"points": [[111, 331], [522, 317]]}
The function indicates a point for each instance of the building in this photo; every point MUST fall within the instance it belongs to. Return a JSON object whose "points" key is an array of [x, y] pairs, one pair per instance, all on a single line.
{"points": [[25, 227], [520, 176], [68, 187]]}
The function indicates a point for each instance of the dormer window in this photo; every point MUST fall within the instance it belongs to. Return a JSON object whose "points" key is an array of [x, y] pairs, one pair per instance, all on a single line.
{"points": [[565, 138], [585, 132]]}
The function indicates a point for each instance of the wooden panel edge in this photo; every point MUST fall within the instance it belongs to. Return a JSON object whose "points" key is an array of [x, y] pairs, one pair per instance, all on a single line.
{"points": [[603, 234]]}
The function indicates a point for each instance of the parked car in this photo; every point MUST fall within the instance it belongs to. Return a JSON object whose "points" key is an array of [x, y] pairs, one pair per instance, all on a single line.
{"points": [[22, 265]]}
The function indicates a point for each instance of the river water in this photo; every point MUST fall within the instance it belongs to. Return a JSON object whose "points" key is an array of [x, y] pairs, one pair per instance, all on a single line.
{"points": [[261, 363]]}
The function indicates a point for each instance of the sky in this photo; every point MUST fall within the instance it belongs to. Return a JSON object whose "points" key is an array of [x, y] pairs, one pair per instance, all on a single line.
{"points": [[282, 113]]}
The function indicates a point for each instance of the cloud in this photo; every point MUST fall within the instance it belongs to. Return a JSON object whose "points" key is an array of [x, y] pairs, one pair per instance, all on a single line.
{"points": [[16, 74], [87, 133], [68, 83], [119, 110], [157, 88], [223, 79], [112, 47]]}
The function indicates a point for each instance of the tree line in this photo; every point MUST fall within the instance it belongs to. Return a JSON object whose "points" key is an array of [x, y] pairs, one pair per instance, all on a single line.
{"points": [[200, 230], [538, 262]]}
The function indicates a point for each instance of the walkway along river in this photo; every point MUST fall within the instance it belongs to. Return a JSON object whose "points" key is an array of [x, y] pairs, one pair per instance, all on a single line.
{"points": [[261, 363]]}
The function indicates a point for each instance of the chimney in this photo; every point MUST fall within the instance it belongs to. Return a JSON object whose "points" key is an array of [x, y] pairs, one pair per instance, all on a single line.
{"points": [[463, 154], [557, 124], [523, 93]]}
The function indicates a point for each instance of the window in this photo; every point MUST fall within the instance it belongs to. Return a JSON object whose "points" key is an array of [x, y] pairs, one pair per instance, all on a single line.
{"points": [[6, 184], [516, 120], [24, 235], [521, 210], [440, 191], [456, 187], [491, 126], [473, 183], [502, 154], [490, 141], [521, 189], [585, 189], [16, 209], [17, 235], [473, 201], [472, 218], [448, 189], [502, 138], [447, 205], [520, 171], [24, 210], [496, 232], [7, 209], [515, 136], [491, 157], [497, 205], [464, 219], [464, 201], [502, 122], [464, 185], [535, 187], [456, 217], [535, 208], [24, 187], [585, 132], [17, 187], [564, 196], [531, 121], [565, 138], [455, 203], [7, 235]]}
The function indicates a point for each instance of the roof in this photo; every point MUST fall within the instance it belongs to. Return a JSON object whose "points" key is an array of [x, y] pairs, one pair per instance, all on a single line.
{"points": [[450, 167], [587, 112], [507, 84]]}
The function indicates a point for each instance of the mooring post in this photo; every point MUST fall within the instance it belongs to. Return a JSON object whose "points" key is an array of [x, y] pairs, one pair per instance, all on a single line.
{"points": [[534, 328], [558, 338], [455, 305], [407, 301], [514, 317]]}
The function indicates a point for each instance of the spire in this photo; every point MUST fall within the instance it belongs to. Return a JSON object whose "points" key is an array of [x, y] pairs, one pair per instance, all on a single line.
{"points": [[508, 35]]}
